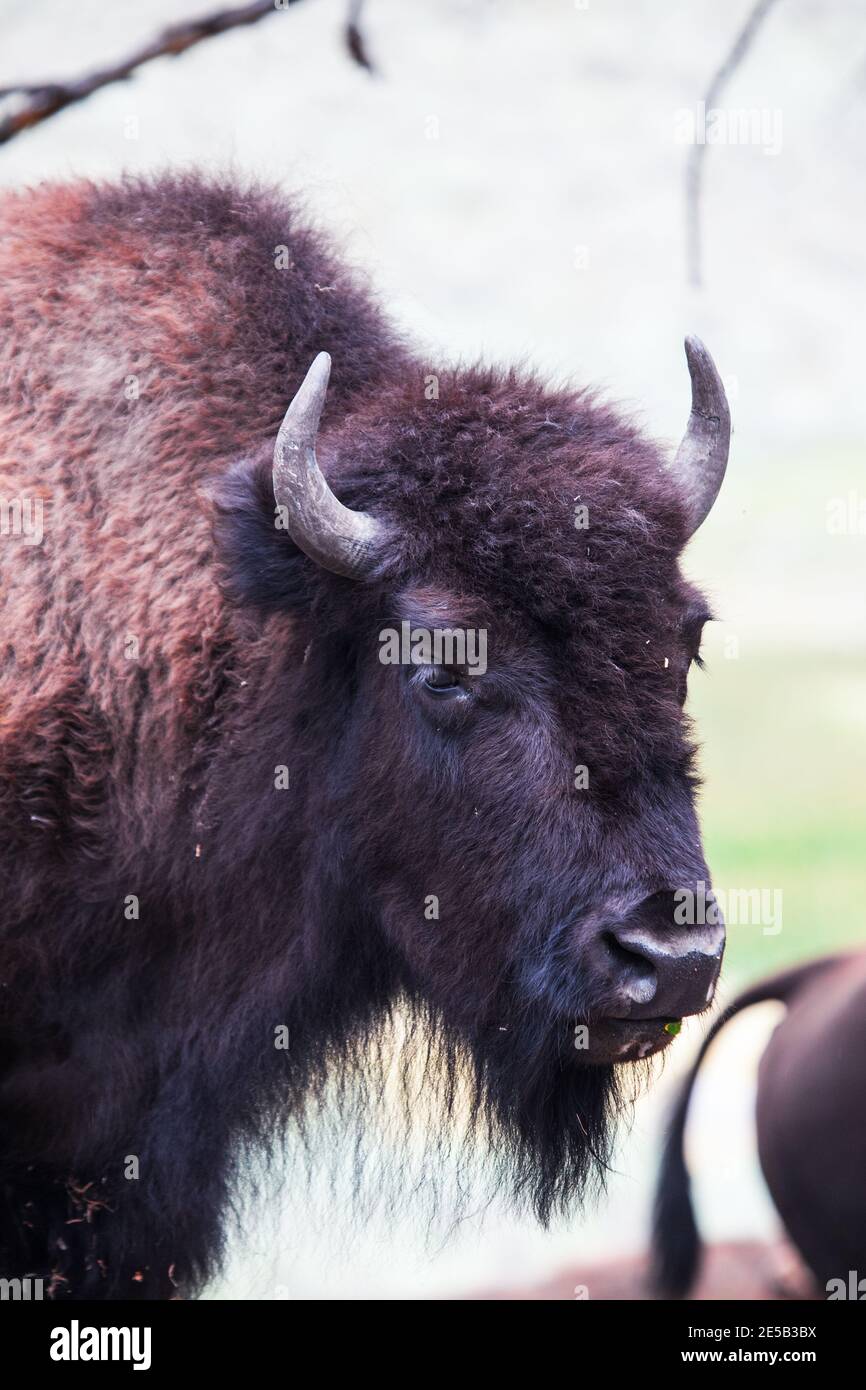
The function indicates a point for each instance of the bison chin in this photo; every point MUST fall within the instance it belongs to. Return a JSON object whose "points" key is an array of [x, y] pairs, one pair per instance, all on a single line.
{"points": [[505, 1115], [540, 1123]]}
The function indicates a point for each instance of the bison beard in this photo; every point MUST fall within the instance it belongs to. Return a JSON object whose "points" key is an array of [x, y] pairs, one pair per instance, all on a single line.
{"points": [[516, 1115], [531, 1127], [165, 911]]}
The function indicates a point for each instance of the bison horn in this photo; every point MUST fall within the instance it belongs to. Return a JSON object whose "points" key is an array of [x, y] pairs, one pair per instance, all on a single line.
{"points": [[702, 457], [337, 538]]}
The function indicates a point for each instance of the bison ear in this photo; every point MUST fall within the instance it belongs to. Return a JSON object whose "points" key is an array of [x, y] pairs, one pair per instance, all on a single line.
{"points": [[259, 563]]}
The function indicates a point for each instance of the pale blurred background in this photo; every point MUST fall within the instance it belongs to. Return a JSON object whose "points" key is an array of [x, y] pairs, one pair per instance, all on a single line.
{"points": [[513, 181]]}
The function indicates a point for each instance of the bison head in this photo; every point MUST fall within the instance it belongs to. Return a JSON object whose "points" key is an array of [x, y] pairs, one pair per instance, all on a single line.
{"points": [[501, 834]]}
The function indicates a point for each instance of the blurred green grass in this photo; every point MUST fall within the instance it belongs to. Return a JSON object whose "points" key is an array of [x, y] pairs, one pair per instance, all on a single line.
{"points": [[783, 756]]}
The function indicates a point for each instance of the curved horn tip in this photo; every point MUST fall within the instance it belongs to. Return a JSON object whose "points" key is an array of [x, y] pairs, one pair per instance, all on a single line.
{"points": [[708, 391], [310, 395], [703, 453], [696, 353], [334, 536], [694, 346]]}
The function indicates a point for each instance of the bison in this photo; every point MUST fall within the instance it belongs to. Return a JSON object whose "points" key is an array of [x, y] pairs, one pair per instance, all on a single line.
{"points": [[811, 1130], [235, 840]]}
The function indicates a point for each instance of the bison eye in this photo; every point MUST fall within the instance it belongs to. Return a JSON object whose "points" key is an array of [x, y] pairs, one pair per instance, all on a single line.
{"points": [[444, 695], [440, 680]]}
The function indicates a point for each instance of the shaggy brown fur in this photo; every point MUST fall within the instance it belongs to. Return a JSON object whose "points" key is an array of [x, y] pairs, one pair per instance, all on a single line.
{"points": [[151, 683]]}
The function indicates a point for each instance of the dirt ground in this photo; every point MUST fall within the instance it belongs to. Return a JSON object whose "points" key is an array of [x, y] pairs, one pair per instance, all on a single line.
{"points": [[732, 1271]]}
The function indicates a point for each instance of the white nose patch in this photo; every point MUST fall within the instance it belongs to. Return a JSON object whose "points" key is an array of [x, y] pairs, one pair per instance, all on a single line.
{"points": [[699, 942]]}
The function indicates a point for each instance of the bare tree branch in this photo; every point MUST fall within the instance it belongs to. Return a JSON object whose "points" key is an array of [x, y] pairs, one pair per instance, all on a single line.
{"points": [[354, 37], [695, 165], [46, 99]]}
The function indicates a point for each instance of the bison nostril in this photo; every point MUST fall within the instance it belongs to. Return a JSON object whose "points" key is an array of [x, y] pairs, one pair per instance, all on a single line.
{"points": [[661, 967], [636, 975]]}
